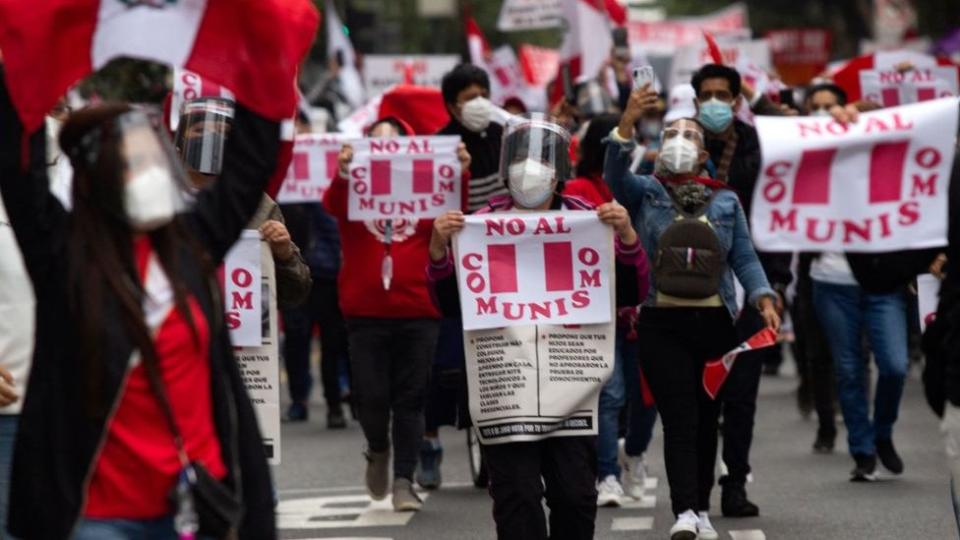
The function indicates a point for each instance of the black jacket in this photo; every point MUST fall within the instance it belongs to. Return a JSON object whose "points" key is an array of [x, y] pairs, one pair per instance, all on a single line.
{"points": [[59, 438], [484, 149], [742, 177]]}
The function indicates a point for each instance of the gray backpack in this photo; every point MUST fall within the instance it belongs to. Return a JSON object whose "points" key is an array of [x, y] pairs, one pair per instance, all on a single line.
{"points": [[690, 261]]}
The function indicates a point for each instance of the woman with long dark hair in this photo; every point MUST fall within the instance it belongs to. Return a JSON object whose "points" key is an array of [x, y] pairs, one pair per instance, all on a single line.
{"points": [[135, 409]]}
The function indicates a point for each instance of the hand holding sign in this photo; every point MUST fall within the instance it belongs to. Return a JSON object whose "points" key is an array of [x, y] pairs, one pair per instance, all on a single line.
{"points": [[444, 227]]}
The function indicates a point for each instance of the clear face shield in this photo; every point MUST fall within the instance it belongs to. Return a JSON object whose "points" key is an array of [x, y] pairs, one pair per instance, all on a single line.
{"points": [[202, 134], [534, 158], [154, 181]]}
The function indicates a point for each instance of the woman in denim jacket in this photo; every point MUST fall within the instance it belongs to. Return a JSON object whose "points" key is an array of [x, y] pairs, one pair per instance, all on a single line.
{"points": [[677, 336]]}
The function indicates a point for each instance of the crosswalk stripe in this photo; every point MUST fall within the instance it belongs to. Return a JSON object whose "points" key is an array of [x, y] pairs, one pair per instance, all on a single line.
{"points": [[632, 524], [753, 534], [646, 502]]}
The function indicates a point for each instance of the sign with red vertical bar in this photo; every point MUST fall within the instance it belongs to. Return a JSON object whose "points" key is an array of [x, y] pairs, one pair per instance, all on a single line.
{"points": [[534, 268], [876, 185], [891, 87], [404, 177], [313, 167]]}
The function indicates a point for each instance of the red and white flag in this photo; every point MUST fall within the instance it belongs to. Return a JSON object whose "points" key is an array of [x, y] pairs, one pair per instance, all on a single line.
{"points": [[586, 45], [715, 372], [253, 47]]}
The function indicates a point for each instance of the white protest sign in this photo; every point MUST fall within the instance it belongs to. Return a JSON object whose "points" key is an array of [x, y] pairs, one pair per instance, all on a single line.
{"points": [[313, 167], [928, 295], [404, 177], [526, 383], [891, 87], [530, 15], [242, 292], [380, 72], [260, 365], [876, 185], [663, 37], [534, 268], [753, 54], [188, 85]]}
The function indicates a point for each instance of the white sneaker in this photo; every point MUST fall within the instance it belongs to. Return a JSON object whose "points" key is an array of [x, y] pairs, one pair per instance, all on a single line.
{"points": [[705, 530], [686, 526], [634, 476], [609, 492]]}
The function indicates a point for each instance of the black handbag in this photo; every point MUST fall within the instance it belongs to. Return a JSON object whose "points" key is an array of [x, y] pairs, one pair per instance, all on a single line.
{"points": [[218, 509]]}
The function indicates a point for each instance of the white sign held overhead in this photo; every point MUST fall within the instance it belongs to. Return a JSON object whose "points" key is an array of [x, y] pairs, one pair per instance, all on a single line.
{"points": [[876, 185], [404, 177], [753, 54], [380, 72], [530, 15]]}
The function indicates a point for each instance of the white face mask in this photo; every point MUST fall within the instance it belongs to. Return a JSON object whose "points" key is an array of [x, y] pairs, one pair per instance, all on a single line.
{"points": [[531, 183], [475, 114], [150, 199], [821, 112], [679, 155]]}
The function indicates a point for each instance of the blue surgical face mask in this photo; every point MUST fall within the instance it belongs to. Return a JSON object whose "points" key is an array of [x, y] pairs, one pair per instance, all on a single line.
{"points": [[715, 115]]}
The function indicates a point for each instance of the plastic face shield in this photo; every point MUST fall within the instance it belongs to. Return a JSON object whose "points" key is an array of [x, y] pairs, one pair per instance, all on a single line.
{"points": [[202, 133], [535, 137]]}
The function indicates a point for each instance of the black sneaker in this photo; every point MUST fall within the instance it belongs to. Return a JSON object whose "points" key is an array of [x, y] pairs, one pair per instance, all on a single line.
{"points": [[866, 469], [734, 502], [335, 418], [825, 442], [298, 412], [888, 456]]}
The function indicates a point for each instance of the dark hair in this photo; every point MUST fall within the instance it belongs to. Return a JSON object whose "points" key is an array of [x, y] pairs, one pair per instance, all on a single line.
{"points": [[826, 87], [717, 71], [460, 78], [101, 261], [592, 147], [401, 129]]}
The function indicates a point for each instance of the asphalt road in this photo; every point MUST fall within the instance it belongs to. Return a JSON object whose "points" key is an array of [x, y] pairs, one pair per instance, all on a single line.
{"points": [[801, 495]]}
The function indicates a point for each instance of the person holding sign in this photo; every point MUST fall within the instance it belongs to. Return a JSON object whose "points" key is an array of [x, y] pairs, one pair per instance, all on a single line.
{"points": [[696, 232], [392, 327], [135, 393], [535, 164]]}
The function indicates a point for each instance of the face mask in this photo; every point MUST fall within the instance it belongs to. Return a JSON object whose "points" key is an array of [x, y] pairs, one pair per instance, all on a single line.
{"points": [[531, 183], [475, 114], [820, 112], [679, 155], [715, 115], [149, 199], [651, 129]]}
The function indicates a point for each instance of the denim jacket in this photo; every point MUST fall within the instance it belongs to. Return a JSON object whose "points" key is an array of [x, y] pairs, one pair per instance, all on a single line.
{"points": [[649, 204]]}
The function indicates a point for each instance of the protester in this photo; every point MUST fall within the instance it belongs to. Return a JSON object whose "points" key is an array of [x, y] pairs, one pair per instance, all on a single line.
{"points": [[466, 93], [689, 317], [534, 166], [734, 149], [202, 131], [127, 308], [392, 329], [623, 387], [312, 228]]}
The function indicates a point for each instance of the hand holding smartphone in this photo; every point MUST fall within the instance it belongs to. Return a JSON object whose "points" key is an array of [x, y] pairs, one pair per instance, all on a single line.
{"points": [[643, 76]]}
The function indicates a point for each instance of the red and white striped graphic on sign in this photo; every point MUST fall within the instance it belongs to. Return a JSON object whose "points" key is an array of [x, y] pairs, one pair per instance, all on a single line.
{"points": [[543, 268], [314, 166], [404, 177], [877, 185], [892, 87]]}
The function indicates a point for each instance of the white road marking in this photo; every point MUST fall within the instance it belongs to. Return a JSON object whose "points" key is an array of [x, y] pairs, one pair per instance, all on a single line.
{"points": [[651, 483], [343, 511], [645, 502], [353, 489], [753, 534], [632, 524]]}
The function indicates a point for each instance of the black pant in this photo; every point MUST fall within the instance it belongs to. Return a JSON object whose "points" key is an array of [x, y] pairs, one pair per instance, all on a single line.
{"points": [[738, 399], [390, 363], [567, 466], [675, 343], [814, 363], [321, 308]]}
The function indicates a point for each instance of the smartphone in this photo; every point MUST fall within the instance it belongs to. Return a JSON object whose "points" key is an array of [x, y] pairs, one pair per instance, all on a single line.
{"points": [[621, 46], [569, 92], [643, 76], [786, 98]]}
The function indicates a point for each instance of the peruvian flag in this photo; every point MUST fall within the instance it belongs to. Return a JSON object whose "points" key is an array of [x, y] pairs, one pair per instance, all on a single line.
{"points": [[252, 47], [477, 43], [586, 45], [715, 372], [936, 73]]}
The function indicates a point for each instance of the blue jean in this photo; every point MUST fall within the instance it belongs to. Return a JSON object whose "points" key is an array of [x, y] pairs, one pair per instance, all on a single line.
{"points": [[8, 435], [127, 529], [622, 388], [846, 313]]}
